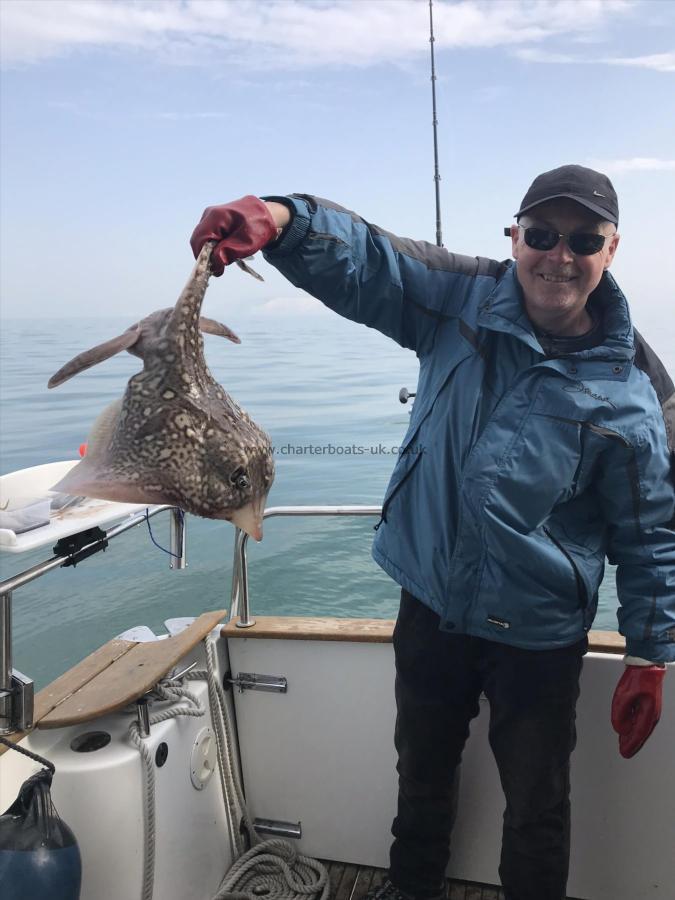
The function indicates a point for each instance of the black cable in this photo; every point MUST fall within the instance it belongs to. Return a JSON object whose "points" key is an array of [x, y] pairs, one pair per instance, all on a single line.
{"points": [[34, 756], [152, 537]]}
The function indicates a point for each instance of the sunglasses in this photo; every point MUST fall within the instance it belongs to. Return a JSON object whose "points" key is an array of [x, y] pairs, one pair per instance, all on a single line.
{"points": [[581, 243]]}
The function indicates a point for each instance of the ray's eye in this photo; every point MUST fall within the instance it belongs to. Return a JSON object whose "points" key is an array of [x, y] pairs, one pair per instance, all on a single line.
{"points": [[240, 478]]}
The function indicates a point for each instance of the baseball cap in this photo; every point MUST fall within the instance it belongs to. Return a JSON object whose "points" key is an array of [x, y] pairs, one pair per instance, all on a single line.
{"points": [[587, 187]]}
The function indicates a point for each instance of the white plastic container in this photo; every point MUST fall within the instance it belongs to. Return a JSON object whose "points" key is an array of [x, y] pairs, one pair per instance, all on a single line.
{"points": [[25, 513], [26, 526]]}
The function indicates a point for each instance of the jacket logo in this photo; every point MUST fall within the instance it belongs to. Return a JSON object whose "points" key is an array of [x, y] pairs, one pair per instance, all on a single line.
{"points": [[578, 387], [495, 620]]}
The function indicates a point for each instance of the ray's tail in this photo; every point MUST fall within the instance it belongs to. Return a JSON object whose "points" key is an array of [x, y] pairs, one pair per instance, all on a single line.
{"points": [[189, 304]]}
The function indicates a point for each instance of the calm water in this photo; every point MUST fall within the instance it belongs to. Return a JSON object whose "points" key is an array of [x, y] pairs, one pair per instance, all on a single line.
{"points": [[323, 383]]}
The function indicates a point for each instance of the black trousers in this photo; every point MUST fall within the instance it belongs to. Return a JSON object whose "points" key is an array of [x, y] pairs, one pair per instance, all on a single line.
{"points": [[532, 696]]}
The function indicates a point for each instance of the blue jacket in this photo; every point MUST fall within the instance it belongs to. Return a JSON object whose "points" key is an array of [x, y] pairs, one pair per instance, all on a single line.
{"points": [[519, 473]]}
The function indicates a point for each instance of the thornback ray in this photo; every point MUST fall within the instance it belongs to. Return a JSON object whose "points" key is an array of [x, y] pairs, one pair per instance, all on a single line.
{"points": [[176, 436]]}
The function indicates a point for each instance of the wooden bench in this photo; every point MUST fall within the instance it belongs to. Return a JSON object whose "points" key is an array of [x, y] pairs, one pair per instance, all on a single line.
{"points": [[113, 676], [371, 631]]}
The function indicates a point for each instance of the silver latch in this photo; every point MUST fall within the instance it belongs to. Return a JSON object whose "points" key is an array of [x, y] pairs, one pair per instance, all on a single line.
{"points": [[250, 681], [278, 828]]}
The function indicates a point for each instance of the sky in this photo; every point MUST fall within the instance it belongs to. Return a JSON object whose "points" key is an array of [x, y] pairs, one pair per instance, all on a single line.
{"points": [[121, 120]]}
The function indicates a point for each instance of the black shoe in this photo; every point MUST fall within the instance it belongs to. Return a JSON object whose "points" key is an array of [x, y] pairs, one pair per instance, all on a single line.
{"points": [[388, 891]]}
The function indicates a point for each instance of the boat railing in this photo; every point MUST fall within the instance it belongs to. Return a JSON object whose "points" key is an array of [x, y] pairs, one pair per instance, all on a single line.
{"points": [[16, 690], [240, 605]]}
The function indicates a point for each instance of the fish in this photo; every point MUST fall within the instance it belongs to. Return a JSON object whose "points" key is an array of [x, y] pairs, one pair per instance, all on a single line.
{"points": [[176, 436]]}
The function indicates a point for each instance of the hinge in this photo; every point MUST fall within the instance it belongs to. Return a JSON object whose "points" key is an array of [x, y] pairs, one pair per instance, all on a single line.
{"points": [[249, 681], [20, 696]]}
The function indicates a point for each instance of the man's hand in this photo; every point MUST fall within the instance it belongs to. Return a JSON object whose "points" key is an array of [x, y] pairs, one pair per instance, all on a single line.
{"points": [[636, 705], [240, 229]]}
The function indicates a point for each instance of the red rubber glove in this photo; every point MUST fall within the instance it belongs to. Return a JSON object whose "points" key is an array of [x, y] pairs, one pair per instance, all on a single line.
{"points": [[241, 228], [636, 706]]}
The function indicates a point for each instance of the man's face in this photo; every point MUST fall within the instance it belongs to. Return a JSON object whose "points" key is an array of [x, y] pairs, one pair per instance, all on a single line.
{"points": [[556, 283]]}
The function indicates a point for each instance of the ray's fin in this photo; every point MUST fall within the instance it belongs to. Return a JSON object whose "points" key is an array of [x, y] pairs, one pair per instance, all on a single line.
{"points": [[94, 356], [90, 468], [210, 326]]}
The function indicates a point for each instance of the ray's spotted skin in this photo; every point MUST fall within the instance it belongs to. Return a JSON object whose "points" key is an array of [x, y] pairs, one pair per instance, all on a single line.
{"points": [[175, 436]]}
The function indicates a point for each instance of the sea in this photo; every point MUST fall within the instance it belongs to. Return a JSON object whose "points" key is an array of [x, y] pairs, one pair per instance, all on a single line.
{"points": [[326, 390]]}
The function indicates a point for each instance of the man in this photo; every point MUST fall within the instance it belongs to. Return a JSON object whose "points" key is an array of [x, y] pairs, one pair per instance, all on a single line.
{"points": [[538, 445]]}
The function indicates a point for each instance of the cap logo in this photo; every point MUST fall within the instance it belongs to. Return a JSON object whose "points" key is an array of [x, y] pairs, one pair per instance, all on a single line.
{"points": [[598, 194]]}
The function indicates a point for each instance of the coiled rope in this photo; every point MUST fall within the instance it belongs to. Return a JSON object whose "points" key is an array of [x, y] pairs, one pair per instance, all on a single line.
{"points": [[271, 869], [276, 871]]}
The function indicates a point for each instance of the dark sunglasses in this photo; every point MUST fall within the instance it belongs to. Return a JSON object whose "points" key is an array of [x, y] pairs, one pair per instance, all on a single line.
{"points": [[581, 243]]}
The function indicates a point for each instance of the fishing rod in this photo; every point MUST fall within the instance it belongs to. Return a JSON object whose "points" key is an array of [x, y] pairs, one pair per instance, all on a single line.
{"points": [[437, 176], [404, 394]]}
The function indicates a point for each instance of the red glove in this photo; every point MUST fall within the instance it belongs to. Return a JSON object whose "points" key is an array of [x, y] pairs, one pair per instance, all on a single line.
{"points": [[636, 706], [241, 228]]}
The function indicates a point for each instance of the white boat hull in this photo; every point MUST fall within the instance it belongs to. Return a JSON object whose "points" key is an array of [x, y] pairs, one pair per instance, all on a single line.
{"points": [[322, 754]]}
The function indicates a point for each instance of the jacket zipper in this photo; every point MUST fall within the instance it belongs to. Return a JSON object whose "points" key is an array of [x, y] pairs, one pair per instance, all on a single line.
{"points": [[383, 516], [582, 594], [596, 429]]}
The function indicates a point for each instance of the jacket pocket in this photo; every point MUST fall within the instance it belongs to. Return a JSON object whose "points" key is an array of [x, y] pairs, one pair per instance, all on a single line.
{"points": [[582, 592]]}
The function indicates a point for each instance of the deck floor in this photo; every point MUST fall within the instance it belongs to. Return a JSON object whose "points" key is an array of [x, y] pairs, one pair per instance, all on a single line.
{"points": [[350, 882]]}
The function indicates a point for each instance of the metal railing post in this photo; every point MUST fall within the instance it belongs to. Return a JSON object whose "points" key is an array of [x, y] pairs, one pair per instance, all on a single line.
{"points": [[177, 539], [6, 662], [240, 572], [239, 600]]}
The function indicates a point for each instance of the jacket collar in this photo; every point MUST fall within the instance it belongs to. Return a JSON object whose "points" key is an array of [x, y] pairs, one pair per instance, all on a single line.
{"points": [[504, 310]]}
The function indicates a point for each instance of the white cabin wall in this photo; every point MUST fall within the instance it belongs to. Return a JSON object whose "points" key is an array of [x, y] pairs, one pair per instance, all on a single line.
{"points": [[323, 753]]}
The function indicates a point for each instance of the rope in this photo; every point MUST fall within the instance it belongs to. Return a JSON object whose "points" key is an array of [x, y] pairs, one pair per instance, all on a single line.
{"points": [[170, 691], [34, 756], [276, 871], [223, 749], [148, 812], [272, 869], [230, 780]]}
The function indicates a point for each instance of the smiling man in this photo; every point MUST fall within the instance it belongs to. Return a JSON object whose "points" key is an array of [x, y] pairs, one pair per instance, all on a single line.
{"points": [[545, 422], [563, 243]]}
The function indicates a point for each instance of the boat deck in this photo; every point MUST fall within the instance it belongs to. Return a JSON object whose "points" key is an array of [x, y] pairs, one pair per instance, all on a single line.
{"points": [[350, 882]]}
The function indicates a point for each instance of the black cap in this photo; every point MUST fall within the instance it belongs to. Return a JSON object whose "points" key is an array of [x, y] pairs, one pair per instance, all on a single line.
{"points": [[587, 187]]}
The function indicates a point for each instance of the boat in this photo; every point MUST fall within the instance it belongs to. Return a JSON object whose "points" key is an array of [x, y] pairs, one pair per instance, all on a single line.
{"points": [[174, 752], [179, 756]]}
